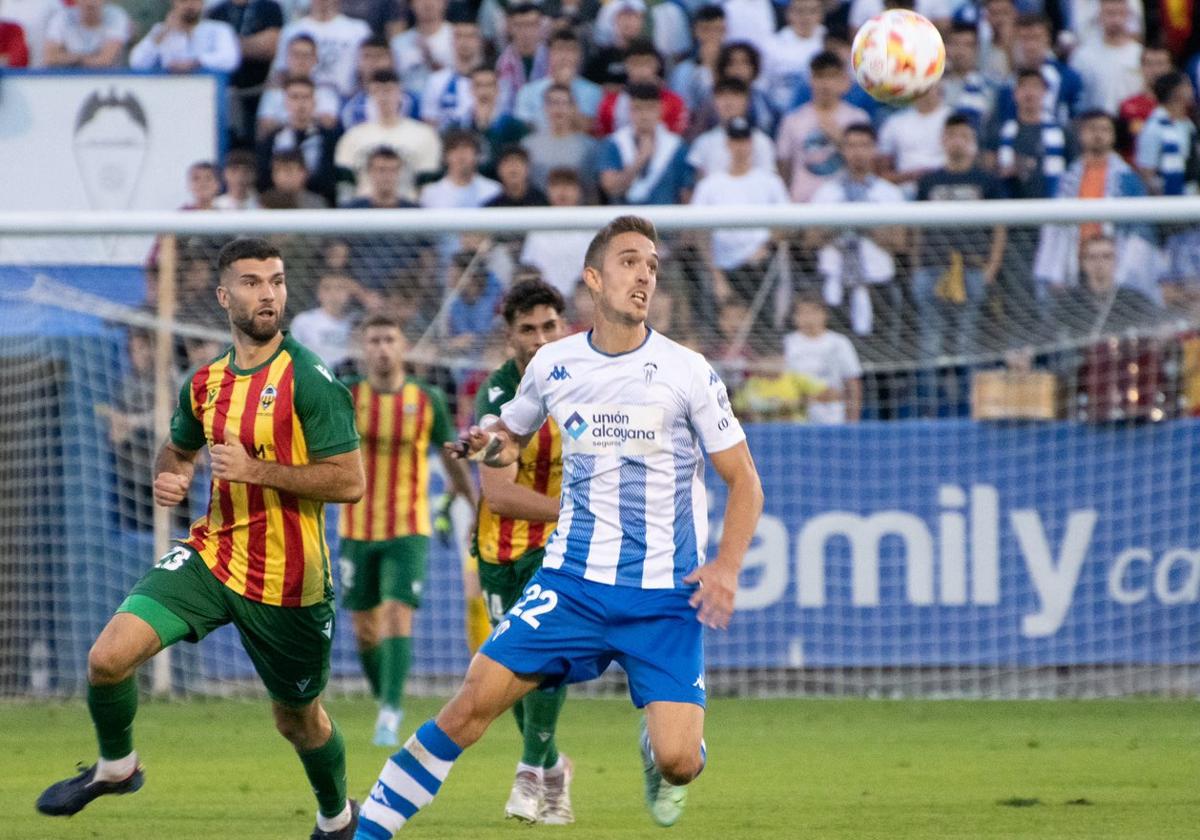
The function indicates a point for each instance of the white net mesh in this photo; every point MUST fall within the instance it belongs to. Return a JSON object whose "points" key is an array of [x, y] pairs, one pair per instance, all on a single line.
{"points": [[984, 489]]}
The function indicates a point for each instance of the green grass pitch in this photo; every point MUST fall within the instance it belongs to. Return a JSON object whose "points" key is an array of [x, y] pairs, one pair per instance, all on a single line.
{"points": [[778, 768]]}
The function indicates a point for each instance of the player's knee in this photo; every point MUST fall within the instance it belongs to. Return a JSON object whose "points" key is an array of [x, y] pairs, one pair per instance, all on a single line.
{"points": [[680, 768], [108, 664], [300, 726], [366, 629]]}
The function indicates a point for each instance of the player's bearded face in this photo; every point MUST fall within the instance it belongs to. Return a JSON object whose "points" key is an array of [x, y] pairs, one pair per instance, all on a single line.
{"points": [[255, 299]]}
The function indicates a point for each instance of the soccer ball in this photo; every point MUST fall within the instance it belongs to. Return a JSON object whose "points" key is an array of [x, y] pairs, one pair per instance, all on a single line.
{"points": [[897, 56]]}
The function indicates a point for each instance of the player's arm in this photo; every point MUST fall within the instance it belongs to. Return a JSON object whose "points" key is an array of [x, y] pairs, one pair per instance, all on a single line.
{"points": [[507, 498], [717, 580], [459, 476], [173, 471], [337, 478], [491, 443]]}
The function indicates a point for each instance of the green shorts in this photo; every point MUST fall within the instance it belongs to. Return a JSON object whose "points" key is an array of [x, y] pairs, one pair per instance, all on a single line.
{"points": [[503, 583], [289, 646], [389, 570]]}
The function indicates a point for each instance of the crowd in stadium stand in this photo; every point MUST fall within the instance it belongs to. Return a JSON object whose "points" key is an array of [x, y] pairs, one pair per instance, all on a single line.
{"points": [[504, 103]]}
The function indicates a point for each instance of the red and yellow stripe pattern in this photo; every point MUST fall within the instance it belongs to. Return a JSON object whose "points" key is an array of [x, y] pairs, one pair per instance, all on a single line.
{"points": [[396, 430], [505, 540], [264, 544]]}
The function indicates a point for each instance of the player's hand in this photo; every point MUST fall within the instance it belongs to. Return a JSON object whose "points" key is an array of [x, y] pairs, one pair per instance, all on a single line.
{"points": [[170, 489], [713, 598], [442, 526], [477, 442], [232, 462]]}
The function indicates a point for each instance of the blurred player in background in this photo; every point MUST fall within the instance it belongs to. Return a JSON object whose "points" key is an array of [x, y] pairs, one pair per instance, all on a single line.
{"points": [[516, 518], [281, 437], [385, 535], [624, 577]]}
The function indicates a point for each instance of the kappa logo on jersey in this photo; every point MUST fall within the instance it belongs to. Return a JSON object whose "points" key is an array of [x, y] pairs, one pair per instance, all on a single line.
{"points": [[321, 370], [267, 399], [648, 370], [575, 426], [713, 379], [558, 374], [699, 683], [494, 393]]}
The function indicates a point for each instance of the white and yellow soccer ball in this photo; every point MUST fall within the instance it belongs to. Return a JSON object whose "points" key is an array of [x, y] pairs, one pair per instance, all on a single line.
{"points": [[897, 56]]}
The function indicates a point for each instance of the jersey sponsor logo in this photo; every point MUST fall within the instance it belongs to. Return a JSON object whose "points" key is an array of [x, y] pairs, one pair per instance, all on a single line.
{"points": [[558, 374], [267, 399], [615, 430], [648, 370], [494, 393]]}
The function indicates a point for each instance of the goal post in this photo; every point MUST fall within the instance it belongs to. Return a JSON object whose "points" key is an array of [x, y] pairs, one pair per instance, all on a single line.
{"points": [[987, 487]]}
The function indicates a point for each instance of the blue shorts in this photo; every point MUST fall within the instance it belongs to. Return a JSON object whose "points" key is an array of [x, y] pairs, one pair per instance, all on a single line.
{"points": [[567, 629]]}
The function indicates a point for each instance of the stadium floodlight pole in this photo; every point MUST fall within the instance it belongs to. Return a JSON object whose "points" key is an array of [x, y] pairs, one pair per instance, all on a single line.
{"points": [[164, 393], [940, 214]]}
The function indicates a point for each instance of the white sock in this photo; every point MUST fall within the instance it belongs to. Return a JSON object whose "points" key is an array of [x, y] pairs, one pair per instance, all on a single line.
{"points": [[117, 769], [388, 717], [558, 769], [334, 823], [522, 767]]}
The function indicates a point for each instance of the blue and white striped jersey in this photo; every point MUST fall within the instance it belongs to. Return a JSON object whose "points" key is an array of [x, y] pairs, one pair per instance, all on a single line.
{"points": [[633, 510]]}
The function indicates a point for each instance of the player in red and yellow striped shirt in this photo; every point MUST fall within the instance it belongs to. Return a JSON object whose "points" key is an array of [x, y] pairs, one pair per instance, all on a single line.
{"points": [[281, 436], [516, 518], [385, 536]]}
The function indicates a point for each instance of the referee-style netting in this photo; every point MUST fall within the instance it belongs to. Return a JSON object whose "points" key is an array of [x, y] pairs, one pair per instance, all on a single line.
{"points": [[1010, 509]]}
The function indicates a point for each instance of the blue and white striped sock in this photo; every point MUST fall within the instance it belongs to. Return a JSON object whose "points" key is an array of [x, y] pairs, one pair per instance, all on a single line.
{"points": [[407, 783]]}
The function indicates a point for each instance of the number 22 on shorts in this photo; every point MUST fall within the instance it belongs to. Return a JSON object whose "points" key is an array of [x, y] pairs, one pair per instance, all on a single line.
{"points": [[536, 601]]}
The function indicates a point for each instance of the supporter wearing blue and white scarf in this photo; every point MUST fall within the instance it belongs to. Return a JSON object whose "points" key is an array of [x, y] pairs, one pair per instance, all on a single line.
{"points": [[1165, 144]]}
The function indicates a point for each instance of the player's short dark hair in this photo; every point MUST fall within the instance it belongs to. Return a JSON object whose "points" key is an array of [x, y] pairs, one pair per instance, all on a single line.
{"points": [[643, 91], [1165, 84], [456, 137], [381, 319], [384, 153], [826, 60], [860, 128], [594, 258], [512, 150], [731, 85], [1030, 19], [1026, 75], [566, 36], [245, 248], [527, 294], [643, 47], [958, 119], [385, 77], [709, 13]]}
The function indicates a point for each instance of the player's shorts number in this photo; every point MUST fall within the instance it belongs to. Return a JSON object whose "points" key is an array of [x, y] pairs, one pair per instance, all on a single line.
{"points": [[173, 559], [536, 601]]}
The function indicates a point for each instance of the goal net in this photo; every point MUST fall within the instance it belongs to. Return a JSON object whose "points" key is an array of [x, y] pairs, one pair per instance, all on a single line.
{"points": [[975, 425]]}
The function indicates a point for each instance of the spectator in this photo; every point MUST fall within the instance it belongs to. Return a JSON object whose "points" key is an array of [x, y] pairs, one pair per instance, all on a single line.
{"points": [[790, 52], [131, 432], [337, 38], [476, 297], [326, 329], [741, 61], [184, 43], [1134, 111], [289, 175], [582, 309], [461, 186], [643, 66], [565, 58], [516, 191], [955, 267], [709, 152], [729, 347], [667, 22], [997, 39], [14, 49], [750, 22], [374, 55], [858, 267], [1166, 147], [1032, 51], [1029, 151], [693, 79], [1109, 65], [737, 259], [1098, 306], [383, 180], [1180, 282], [829, 358], [526, 59], [1084, 19], [561, 144], [644, 163], [300, 62], [937, 11], [203, 186], [304, 134], [1098, 173], [257, 24], [424, 48], [809, 137], [607, 64], [415, 142], [776, 397], [385, 17], [447, 94], [964, 88], [910, 141], [197, 288], [495, 127], [241, 172], [90, 34], [558, 254]]}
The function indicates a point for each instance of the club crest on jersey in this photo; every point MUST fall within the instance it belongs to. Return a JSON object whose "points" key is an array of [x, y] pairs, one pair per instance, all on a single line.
{"points": [[558, 374], [648, 370], [267, 399]]}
